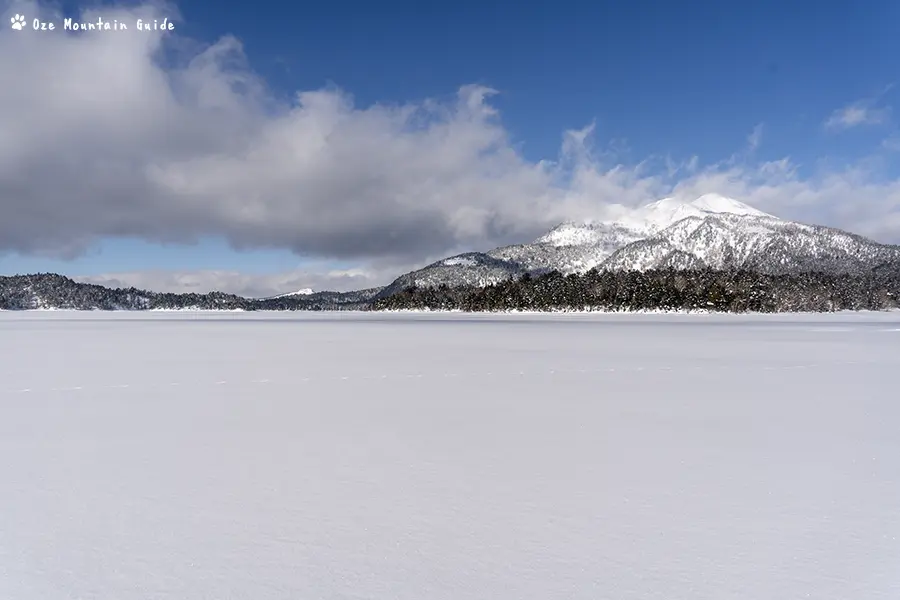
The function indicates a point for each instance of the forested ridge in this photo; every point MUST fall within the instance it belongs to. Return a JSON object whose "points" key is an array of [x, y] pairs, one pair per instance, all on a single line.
{"points": [[673, 290], [725, 291], [49, 290]]}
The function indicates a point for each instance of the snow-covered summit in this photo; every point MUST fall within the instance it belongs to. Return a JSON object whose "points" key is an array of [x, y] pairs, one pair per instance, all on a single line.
{"points": [[638, 223], [715, 203], [658, 215]]}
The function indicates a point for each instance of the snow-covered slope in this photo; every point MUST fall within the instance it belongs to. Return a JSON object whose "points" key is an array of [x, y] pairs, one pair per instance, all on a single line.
{"points": [[473, 268], [758, 243], [303, 292], [710, 231]]}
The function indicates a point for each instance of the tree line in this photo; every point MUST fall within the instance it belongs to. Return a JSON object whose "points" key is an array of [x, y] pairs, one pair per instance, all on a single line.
{"points": [[50, 290], [721, 291]]}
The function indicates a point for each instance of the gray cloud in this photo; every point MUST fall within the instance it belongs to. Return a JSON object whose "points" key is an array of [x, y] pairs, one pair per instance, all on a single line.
{"points": [[100, 139]]}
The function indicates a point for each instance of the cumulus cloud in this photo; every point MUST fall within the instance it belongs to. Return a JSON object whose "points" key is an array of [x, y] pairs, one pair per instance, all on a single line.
{"points": [[100, 139], [154, 136]]}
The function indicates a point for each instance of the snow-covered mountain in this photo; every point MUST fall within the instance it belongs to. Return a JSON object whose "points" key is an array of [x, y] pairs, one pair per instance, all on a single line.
{"points": [[711, 231]]}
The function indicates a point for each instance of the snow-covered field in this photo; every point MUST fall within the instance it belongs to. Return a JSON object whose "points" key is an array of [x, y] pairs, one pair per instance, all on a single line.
{"points": [[435, 456]]}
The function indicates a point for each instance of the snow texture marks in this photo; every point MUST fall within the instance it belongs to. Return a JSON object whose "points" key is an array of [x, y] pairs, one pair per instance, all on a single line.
{"points": [[449, 456]]}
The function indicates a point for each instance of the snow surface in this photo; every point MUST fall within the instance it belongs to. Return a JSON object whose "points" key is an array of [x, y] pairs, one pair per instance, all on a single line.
{"points": [[448, 456]]}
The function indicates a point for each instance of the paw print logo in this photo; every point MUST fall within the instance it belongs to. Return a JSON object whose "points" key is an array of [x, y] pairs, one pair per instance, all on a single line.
{"points": [[18, 22]]}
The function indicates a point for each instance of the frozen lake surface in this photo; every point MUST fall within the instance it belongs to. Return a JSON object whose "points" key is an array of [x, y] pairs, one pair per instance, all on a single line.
{"points": [[434, 456]]}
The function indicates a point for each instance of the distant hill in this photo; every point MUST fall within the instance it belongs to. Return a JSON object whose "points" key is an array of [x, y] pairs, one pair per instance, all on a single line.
{"points": [[51, 291]]}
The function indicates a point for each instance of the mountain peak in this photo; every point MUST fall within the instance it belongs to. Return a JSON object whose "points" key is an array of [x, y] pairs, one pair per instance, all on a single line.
{"points": [[715, 203], [645, 220], [658, 215]]}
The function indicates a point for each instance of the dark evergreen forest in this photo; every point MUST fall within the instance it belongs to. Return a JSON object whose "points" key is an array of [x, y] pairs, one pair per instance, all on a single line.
{"points": [[721, 291], [724, 291]]}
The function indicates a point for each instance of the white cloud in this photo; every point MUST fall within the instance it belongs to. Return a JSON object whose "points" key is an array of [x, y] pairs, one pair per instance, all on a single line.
{"points": [[892, 143], [755, 138], [100, 139], [861, 112], [250, 285]]}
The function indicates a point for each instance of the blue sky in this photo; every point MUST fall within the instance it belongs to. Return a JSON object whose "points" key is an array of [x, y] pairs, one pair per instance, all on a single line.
{"points": [[678, 78], [658, 79]]}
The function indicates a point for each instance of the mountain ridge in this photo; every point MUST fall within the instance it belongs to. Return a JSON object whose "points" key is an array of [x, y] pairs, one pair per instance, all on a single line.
{"points": [[712, 231], [53, 291]]}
